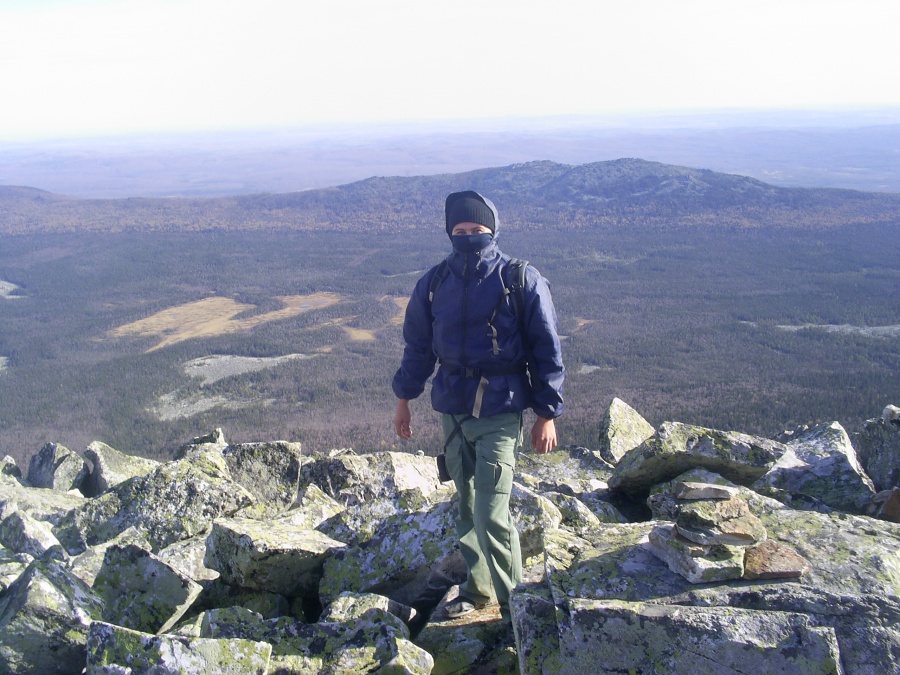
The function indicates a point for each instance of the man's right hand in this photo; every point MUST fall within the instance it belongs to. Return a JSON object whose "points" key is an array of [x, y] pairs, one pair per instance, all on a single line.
{"points": [[402, 417]]}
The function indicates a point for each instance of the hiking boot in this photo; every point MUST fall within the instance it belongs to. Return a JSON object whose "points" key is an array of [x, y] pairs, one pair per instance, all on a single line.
{"points": [[461, 607]]}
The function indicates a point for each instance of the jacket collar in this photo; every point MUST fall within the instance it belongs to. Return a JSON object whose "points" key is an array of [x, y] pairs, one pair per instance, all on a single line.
{"points": [[478, 264]]}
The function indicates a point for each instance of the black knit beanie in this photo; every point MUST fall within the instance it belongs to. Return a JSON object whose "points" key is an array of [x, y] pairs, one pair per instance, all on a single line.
{"points": [[468, 207]]}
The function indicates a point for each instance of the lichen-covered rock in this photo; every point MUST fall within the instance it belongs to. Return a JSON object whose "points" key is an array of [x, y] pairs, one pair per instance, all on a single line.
{"points": [[608, 636], [477, 642], [890, 508], [622, 429], [536, 629], [21, 533], [86, 565], [695, 490], [230, 622], [576, 516], [571, 470], [356, 479], [11, 566], [187, 557], [111, 467], [821, 463], [141, 592], [699, 564], [774, 560], [269, 471], [879, 450], [397, 561], [356, 524], [613, 562], [9, 469], [177, 500], [598, 502], [44, 620], [311, 508], [57, 468], [364, 644], [848, 554], [866, 626], [534, 514], [676, 448], [115, 650], [719, 521], [352, 606], [49, 506], [213, 442], [268, 556]]}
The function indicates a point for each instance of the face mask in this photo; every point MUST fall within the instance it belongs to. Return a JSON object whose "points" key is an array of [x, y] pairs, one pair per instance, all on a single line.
{"points": [[470, 243]]}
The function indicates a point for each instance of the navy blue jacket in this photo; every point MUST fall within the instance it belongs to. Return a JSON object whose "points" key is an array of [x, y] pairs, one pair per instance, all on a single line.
{"points": [[471, 330]]}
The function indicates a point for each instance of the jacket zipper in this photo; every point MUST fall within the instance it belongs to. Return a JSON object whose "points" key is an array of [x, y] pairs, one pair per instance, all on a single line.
{"points": [[465, 312]]}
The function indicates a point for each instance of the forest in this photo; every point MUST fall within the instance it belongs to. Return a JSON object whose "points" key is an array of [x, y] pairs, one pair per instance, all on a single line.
{"points": [[716, 323]]}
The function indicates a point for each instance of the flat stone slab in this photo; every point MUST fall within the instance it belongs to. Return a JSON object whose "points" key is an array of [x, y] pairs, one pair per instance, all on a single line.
{"points": [[113, 649], [773, 560], [613, 637]]}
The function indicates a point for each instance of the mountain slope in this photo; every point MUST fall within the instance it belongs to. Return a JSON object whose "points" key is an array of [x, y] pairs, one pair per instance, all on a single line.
{"points": [[619, 193]]}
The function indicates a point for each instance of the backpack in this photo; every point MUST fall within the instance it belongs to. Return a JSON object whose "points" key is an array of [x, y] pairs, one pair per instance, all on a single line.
{"points": [[512, 276]]}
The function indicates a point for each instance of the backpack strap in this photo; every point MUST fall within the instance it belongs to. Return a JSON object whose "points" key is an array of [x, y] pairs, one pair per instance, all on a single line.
{"points": [[516, 269], [439, 275], [516, 288]]}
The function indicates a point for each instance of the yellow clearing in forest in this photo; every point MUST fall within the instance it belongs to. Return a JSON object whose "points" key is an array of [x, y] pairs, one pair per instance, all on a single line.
{"points": [[215, 316]]}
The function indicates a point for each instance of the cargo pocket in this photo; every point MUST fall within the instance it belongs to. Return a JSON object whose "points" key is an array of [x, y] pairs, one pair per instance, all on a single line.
{"points": [[494, 477]]}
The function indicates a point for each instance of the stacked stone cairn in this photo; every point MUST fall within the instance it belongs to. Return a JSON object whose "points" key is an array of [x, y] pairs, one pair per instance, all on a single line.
{"points": [[676, 550]]}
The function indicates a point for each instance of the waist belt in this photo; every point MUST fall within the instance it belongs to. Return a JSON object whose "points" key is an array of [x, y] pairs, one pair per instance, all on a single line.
{"points": [[477, 373], [482, 374]]}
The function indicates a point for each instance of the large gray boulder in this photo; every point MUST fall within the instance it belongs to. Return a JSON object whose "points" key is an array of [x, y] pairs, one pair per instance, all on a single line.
{"points": [[86, 565], [45, 616], [268, 556], [612, 636], [570, 470], [177, 500], [269, 471], [676, 448], [621, 430], [21, 533], [409, 480], [114, 649], [141, 592], [12, 565], [50, 506], [821, 463], [359, 636], [111, 467], [9, 470], [879, 449], [187, 556], [57, 468], [400, 561]]}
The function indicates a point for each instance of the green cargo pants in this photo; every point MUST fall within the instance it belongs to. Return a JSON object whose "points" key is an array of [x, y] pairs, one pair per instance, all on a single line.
{"points": [[481, 458]]}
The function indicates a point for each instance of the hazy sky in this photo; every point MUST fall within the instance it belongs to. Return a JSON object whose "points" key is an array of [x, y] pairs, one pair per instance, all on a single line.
{"points": [[101, 67]]}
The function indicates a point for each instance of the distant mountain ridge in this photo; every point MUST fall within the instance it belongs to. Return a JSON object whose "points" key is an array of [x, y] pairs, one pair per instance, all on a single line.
{"points": [[617, 193]]}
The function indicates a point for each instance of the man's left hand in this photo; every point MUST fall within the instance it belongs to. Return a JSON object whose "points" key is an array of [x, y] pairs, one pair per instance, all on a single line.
{"points": [[543, 435]]}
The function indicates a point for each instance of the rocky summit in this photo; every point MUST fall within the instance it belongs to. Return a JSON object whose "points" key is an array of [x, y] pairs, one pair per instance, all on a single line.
{"points": [[672, 550]]}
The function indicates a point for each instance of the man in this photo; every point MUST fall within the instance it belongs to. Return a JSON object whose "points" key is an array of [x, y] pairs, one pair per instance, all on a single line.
{"points": [[470, 327]]}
